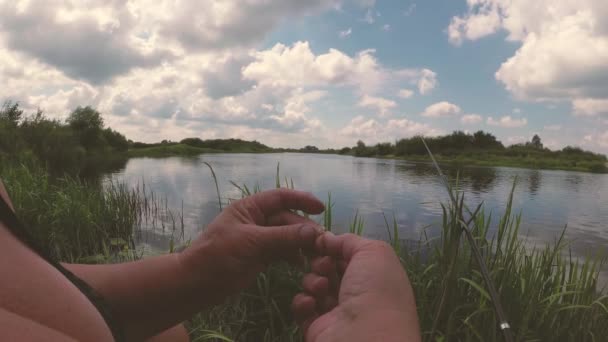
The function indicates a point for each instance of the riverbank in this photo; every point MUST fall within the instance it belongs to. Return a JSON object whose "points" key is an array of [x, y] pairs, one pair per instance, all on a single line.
{"points": [[163, 151], [519, 162], [546, 295]]}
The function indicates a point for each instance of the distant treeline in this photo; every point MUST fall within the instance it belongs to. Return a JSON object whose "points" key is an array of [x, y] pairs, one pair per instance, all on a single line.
{"points": [[82, 141], [225, 145], [483, 148], [79, 142]]}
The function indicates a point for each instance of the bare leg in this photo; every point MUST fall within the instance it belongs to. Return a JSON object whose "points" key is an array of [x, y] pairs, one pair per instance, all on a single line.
{"points": [[5, 196], [176, 334]]}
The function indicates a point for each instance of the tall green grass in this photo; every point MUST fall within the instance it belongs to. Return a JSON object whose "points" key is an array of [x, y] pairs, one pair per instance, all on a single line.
{"points": [[83, 221], [547, 295]]}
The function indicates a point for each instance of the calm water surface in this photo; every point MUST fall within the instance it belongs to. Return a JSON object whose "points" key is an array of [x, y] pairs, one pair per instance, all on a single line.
{"points": [[412, 192]]}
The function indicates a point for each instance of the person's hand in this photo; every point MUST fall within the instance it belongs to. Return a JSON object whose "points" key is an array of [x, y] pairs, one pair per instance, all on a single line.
{"points": [[357, 291], [248, 235]]}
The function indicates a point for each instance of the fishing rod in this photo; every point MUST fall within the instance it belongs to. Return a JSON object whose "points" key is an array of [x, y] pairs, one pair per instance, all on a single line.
{"points": [[503, 323]]}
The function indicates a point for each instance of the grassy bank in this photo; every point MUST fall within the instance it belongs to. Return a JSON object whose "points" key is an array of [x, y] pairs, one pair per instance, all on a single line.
{"points": [[546, 294], [196, 146], [483, 149], [83, 221], [526, 162], [162, 151]]}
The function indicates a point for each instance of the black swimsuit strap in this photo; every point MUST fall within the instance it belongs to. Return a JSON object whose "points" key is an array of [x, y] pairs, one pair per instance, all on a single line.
{"points": [[10, 220]]}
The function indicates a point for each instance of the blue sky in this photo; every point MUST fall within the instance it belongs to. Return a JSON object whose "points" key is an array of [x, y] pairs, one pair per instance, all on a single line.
{"points": [[322, 72]]}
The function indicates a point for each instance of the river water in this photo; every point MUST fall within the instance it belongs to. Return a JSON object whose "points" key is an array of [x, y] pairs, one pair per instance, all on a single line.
{"points": [[411, 192]]}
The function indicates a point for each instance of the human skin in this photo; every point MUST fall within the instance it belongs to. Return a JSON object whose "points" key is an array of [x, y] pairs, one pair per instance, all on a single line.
{"points": [[357, 291], [154, 294]]}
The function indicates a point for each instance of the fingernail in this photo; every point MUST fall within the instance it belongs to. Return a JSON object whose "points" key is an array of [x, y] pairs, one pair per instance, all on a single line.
{"points": [[308, 232], [328, 233]]}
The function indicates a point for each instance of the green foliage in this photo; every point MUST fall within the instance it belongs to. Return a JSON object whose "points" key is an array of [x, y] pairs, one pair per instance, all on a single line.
{"points": [[227, 145], [79, 144], [482, 148], [547, 295]]}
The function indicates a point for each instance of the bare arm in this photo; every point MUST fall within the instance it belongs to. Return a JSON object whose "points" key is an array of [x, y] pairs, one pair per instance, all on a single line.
{"points": [[153, 294], [150, 295]]}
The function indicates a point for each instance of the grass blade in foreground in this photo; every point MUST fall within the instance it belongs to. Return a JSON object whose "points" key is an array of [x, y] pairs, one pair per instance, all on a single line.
{"points": [[503, 322]]}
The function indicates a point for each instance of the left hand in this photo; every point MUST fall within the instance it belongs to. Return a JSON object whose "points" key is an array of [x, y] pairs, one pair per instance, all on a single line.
{"points": [[248, 235]]}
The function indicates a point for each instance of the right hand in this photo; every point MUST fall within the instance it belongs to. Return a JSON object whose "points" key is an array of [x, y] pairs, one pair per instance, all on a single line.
{"points": [[357, 291]]}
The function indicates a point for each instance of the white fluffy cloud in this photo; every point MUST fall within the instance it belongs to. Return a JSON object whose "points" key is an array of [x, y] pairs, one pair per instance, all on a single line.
{"points": [[373, 131], [596, 140], [299, 66], [427, 81], [507, 122], [563, 52], [382, 105], [590, 107], [405, 93], [174, 68], [471, 119], [441, 109]]}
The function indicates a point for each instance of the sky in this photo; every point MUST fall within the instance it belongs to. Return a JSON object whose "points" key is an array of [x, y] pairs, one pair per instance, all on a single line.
{"points": [[318, 72]]}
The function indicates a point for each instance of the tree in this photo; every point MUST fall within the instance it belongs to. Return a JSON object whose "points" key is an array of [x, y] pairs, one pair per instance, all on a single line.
{"points": [[536, 142], [310, 148], [11, 113], [385, 149], [87, 124]]}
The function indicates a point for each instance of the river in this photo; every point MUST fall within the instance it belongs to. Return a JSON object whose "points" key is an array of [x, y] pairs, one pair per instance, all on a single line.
{"points": [[411, 192]]}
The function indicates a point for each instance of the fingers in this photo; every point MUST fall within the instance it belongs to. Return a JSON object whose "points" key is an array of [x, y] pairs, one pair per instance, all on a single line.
{"points": [[274, 201], [283, 242], [324, 266], [315, 285], [340, 246], [304, 311], [287, 217]]}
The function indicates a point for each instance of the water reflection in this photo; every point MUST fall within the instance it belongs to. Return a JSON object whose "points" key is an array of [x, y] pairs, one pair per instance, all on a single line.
{"points": [[411, 192], [534, 179]]}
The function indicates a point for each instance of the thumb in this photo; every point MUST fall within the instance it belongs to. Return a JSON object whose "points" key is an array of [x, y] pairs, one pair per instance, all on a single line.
{"points": [[281, 242]]}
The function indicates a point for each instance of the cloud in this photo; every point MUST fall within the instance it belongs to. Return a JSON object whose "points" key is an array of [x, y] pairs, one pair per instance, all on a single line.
{"points": [[563, 46], [84, 46], [345, 33], [441, 109], [596, 141], [405, 93], [552, 128], [386, 27], [207, 24], [517, 139], [299, 66], [507, 122], [225, 78], [373, 131], [427, 82], [382, 105], [174, 68], [471, 119], [590, 107]]}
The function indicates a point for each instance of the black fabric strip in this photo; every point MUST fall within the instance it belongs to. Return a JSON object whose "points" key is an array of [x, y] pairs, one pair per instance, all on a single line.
{"points": [[10, 220]]}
